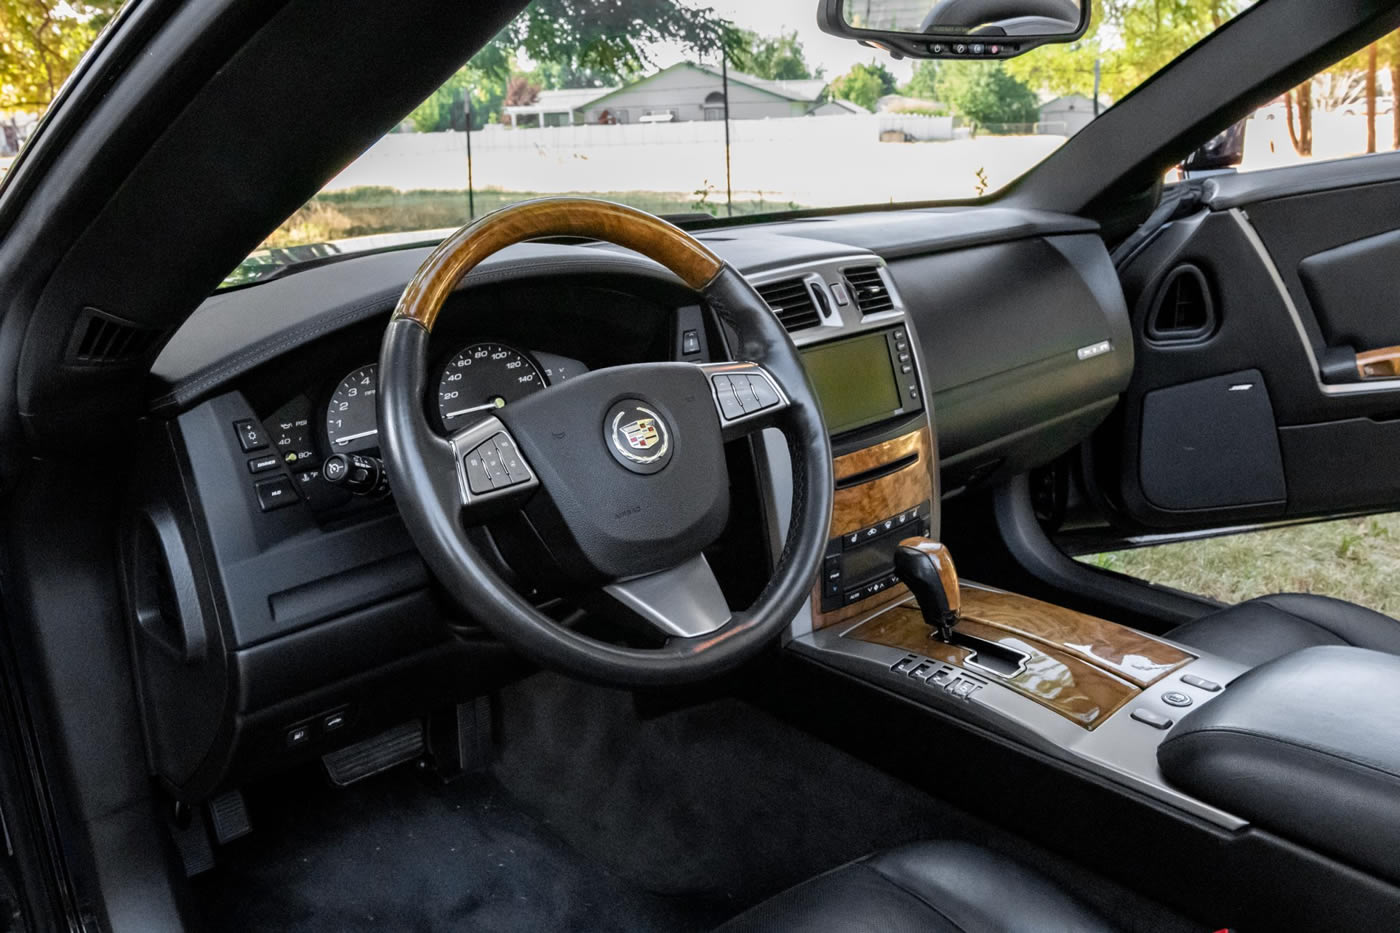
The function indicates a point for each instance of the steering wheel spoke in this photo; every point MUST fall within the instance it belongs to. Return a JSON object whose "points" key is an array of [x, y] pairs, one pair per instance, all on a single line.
{"points": [[492, 473], [682, 602], [747, 397]]}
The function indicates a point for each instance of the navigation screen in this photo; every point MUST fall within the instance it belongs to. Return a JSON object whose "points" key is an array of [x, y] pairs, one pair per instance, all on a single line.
{"points": [[854, 380]]}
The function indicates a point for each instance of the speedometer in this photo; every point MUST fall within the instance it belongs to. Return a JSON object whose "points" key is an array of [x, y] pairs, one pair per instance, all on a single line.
{"points": [[482, 378], [352, 423]]}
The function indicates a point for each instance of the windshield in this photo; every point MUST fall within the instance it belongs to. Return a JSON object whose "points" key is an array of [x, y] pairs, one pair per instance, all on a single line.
{"points": [[735, 108]]}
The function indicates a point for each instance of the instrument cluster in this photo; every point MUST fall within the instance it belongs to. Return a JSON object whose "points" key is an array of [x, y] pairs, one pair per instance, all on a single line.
{"points": [[342, 418]]}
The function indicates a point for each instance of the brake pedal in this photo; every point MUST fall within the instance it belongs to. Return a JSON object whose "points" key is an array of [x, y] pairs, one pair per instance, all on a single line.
{"points": [[356, 762]]}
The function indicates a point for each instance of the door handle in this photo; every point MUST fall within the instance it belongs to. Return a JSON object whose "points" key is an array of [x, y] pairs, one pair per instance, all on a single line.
{"points": [[1379, 364]]}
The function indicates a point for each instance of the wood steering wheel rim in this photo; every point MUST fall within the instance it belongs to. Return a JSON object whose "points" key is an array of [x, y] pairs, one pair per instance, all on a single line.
{"points": [[586, 218]]}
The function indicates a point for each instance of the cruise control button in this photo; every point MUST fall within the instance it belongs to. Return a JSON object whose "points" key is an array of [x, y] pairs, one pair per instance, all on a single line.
{"points": [[491, 460], [275, 494], [728, 402], [743, 388], [764, 391], [510, 459]]}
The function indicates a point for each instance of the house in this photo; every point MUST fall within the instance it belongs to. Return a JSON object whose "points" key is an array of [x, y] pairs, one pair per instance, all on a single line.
{"points": [[555, 108], [1065, 115], [683, 92], [837, 108]]}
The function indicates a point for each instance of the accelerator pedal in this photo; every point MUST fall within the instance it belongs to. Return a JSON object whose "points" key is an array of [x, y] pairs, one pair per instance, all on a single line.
{"points": [[356, 762]]}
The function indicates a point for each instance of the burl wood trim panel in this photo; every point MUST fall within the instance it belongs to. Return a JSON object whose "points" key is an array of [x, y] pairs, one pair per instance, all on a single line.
{"points": [[868, 503], [579, 217], [1127, 653], [1053, 677]]}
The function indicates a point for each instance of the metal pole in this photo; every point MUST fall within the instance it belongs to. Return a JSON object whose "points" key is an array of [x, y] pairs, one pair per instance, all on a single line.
{"points": [[471, 192], [1097, 62], [728, 178]]}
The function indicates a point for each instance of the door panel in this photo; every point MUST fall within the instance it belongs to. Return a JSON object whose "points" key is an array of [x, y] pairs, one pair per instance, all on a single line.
{"points": [[1290, 282]]}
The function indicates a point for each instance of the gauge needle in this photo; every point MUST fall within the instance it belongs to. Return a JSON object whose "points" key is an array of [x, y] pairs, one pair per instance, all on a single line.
{"points": [[342, 441], [496, 403]]}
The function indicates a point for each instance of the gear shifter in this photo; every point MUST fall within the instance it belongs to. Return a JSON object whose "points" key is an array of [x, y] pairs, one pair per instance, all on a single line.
{"points": [[926, 567]]}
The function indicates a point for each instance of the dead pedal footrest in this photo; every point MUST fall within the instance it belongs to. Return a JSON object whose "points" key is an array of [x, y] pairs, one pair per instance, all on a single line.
{"points": [[363, 759]]}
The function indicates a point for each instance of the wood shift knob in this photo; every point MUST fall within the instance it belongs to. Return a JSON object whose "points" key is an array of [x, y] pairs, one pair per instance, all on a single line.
{"points": [[926, 567]]}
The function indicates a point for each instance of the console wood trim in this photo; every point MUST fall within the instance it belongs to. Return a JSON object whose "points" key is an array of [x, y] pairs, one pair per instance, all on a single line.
{"points": [[1127, 653], [1053, 677], [859, 506]]}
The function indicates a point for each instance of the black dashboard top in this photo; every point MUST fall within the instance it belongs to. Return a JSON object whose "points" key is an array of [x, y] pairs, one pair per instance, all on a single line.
{"points": [[234, 332]]}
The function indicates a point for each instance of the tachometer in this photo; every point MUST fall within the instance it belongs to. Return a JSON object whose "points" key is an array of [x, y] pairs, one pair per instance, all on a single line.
{"points": [[482, 378], [351, 420]]}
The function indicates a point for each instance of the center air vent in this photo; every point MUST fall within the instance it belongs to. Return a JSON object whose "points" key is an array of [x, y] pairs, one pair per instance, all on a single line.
{"points": [[1183, 309], [868, 288], [792, 302]]}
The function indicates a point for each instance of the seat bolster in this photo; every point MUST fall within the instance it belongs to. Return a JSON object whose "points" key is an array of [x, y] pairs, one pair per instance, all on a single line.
{"points": [[1258, 630], [931, 887]]}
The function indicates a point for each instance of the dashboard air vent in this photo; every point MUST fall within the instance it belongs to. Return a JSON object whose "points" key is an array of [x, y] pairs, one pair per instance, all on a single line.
{"points": [[792, 302], [102, 338], [1183, 309], [868, 288]]}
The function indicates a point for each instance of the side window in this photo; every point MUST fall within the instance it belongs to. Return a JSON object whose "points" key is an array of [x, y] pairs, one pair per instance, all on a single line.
{"points": [[1345, 110], [1352, 559]]}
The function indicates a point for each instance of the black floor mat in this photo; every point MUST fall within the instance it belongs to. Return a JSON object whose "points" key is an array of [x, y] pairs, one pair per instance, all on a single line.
{"points": [[398, 853], [595, 818]]}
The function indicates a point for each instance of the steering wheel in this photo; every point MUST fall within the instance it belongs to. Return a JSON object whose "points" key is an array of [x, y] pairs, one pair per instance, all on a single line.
{"points": [[621, 472]]}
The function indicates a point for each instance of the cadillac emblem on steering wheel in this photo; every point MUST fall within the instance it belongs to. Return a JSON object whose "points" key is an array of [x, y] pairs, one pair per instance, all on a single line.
{"points": [[637, 436]]}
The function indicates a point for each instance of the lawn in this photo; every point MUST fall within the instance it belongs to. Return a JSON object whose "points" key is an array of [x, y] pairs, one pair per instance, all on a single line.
{"points": [[335, 215], [1355, 559]]}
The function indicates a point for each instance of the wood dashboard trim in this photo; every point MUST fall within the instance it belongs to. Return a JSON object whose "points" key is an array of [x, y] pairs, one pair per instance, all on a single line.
{"points": [[859, 506]]}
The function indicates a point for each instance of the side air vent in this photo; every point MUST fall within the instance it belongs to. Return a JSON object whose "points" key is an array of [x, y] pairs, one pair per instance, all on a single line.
{"points": [[868, 288], [103, 338], [1183, 309], [792, 302]]}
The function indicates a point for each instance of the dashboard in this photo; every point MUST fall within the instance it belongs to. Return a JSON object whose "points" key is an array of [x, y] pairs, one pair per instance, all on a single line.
{"points": [[950, 348]]}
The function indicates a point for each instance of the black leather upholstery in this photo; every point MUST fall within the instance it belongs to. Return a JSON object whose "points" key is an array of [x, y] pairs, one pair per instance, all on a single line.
{"points": [[929, 887], [1303, 746], [1269, 627]]}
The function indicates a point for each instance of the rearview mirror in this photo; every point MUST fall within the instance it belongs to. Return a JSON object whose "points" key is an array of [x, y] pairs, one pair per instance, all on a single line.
{"points": [[955, 28]]}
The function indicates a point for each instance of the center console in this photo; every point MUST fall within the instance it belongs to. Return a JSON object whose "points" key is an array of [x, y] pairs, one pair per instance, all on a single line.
{"points": [[1088, 692]]}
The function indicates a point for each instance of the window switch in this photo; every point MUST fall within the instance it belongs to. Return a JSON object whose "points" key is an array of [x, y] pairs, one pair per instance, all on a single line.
{"points": [[333, 721], [297, 736], [1209, 686], [1153, 719]]}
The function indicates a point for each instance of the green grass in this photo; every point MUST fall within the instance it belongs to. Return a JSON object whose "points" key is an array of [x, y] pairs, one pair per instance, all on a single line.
{"points": [[336, 215], [1353, 559]]}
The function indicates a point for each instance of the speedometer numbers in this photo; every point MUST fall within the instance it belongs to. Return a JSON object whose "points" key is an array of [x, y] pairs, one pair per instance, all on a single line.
{"points": [[351, 419], [482, 378]]}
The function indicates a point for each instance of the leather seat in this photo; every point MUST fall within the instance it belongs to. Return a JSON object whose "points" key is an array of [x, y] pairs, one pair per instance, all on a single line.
{"points": [[1269, 627], [930, 887]]}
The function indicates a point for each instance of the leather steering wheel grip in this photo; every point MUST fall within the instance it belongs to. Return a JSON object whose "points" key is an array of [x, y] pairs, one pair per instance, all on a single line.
{"points": [[422, 470]]}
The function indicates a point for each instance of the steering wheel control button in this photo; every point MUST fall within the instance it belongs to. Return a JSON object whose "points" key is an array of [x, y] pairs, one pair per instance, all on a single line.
{"points": [[729, 404], [1176, 698], [275, 494], [1200, 683], [494, 464], [263, 464], [1153, 719], [510, 459], [638, 437], [251, 436]]}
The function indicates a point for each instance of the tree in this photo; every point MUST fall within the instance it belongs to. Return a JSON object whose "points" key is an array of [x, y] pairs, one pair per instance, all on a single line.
{"points": [[923, 83], [985, 92], [41, 42], [779, 57], [520, 91], [1300, 130], [864, 85]]}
